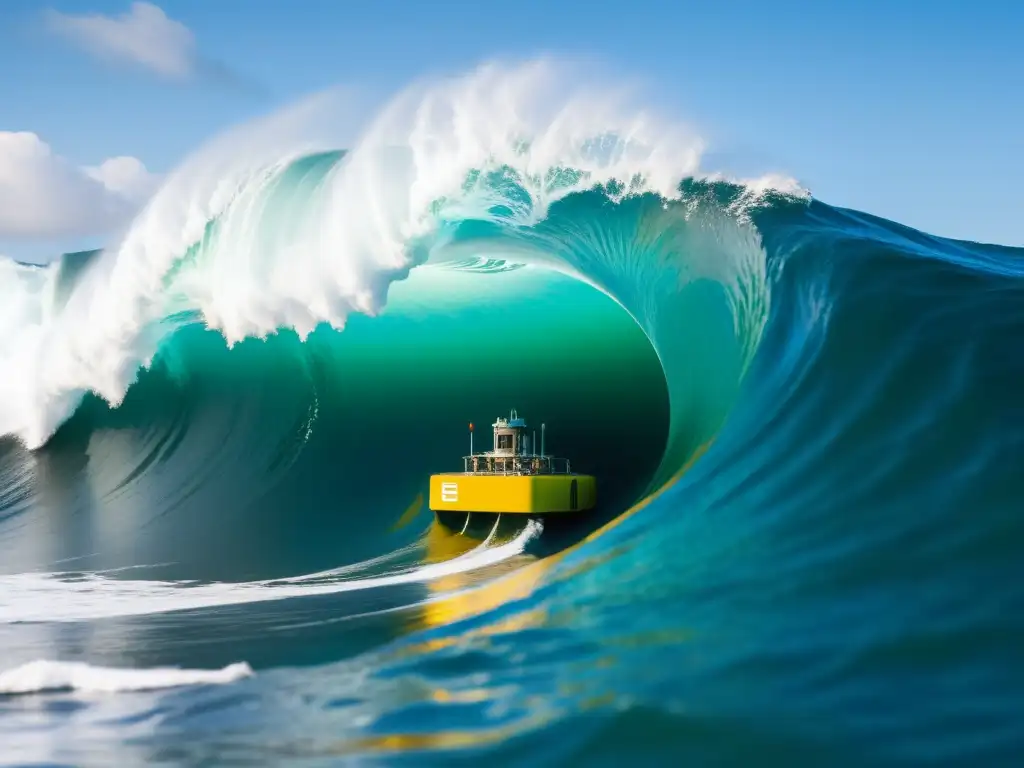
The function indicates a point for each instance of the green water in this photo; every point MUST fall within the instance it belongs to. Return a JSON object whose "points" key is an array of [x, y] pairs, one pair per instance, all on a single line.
{"points": [[278, 457]]}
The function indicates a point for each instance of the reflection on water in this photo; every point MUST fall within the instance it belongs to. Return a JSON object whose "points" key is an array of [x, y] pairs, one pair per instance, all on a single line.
{"points": [[528, 575]]}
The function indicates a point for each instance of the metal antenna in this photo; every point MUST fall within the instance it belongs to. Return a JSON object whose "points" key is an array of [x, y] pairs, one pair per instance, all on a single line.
{"points": [[542, 426]]}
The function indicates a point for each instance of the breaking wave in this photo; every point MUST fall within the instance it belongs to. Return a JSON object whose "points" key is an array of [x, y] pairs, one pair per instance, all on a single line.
{"points": [[803, 421]]}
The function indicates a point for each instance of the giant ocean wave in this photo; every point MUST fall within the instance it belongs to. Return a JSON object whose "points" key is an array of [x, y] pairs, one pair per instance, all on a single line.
{"points": [[801, 417]]}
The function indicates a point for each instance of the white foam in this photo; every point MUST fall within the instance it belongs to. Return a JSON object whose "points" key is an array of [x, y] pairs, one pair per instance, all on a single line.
{"points": [[332, 245], [41, 675], [54, 597], [105, 331]]}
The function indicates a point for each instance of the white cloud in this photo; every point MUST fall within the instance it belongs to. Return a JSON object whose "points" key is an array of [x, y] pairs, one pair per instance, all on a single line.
{"points": [[144, 35], [44, 195], [126, 176]]}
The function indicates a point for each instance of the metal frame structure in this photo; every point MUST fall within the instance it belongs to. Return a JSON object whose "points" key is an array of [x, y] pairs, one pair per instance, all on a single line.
{"points": [[517, 455], [522, 464]]}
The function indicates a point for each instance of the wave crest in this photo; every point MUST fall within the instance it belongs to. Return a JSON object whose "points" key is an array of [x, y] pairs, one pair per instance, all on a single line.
{"points": [[41, 676], [272, 227]]}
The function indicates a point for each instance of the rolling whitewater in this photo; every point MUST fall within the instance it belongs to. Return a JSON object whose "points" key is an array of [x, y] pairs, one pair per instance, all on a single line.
{"points": [[805, 422]]}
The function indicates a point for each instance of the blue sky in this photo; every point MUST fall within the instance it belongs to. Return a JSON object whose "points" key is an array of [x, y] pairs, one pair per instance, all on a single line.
{"points": [[909, 110]]}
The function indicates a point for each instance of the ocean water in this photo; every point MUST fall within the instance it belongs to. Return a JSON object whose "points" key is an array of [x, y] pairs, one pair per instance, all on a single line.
{"points": [[804, 420]]}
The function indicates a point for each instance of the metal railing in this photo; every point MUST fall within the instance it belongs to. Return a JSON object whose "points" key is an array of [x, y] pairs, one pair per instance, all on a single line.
{"points": [[523, 464]]}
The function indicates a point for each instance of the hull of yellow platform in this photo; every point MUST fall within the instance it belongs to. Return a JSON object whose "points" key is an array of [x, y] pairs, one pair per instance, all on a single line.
{"points": [[515, 494]]}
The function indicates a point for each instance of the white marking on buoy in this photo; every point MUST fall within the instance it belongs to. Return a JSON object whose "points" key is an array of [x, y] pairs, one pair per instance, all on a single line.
{"points": [[449, 492]]}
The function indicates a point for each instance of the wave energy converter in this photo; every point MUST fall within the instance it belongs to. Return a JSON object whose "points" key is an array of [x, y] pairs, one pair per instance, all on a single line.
{"points": [[512, 478]]}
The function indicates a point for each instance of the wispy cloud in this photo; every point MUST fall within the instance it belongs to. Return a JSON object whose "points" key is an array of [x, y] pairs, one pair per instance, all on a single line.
{"points": [[145, 36], [43, 195]]}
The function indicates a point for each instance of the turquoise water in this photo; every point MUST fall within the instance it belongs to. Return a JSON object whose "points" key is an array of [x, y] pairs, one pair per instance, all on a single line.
{"points": [[311, 451], [805, 426]]}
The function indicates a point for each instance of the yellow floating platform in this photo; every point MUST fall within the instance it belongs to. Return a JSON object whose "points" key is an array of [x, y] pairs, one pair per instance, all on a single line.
{"points": [[512, 494]]}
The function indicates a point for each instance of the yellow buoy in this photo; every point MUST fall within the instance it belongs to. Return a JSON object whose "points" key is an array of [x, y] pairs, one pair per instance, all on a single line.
{"points": [[512, 478]]}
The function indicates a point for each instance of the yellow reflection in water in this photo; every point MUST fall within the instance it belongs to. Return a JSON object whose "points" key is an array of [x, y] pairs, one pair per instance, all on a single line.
{"points": [[402, 742], [444, 544], [515, 586], [410, 513]]}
